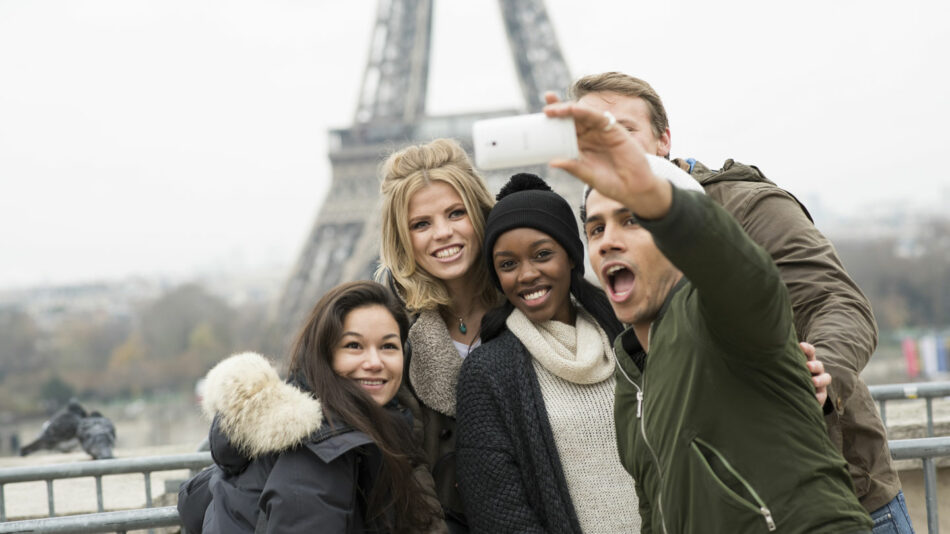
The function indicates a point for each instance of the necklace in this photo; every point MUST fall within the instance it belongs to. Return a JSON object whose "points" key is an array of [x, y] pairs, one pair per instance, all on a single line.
{"points": [[451, 313]]}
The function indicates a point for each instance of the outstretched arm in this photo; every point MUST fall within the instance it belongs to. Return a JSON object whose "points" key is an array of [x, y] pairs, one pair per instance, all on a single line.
{"points": [[741, 294]]}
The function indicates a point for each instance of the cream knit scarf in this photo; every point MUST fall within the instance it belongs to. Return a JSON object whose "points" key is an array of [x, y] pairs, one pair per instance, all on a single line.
{"points": [[578, 354]]}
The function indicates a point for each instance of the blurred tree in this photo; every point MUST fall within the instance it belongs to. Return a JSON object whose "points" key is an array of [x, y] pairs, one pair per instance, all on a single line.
{"points": [[167, 324], [19, 338], [55, 392], [907, 279]]}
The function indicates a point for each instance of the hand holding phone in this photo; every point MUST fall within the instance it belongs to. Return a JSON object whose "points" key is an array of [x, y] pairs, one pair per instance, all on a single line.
{"points": [[523, 140]]}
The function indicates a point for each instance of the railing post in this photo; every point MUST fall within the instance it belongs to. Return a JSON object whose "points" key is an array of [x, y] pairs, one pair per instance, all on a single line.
{"points": [[3, 506], [49, 497], [148, 489], [99, 505], [930, 490], [930, 417]]}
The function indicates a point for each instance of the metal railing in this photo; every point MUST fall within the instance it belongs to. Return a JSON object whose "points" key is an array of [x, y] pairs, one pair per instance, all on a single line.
{"points": [[923, 390], [98, 468], [926, 449], [122, 522]]}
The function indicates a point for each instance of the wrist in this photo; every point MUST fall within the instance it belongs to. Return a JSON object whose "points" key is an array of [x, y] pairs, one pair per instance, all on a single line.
{"points": [[654, 202]]}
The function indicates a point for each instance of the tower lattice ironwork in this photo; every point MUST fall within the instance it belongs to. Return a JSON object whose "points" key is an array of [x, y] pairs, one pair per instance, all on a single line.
{"points": [[344, 241]]}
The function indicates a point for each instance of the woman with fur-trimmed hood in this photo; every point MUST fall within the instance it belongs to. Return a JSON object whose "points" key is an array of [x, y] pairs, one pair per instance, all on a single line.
{"points": [[331, 451], [433, 222]]}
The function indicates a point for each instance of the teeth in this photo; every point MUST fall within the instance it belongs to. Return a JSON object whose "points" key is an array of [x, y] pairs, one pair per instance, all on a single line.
{"points": [[535, 294], [371, 382], [615, 268], [446, 252]]}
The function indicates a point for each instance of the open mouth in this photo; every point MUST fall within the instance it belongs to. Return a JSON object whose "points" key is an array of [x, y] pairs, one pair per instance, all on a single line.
{"points": [[535, 296], [448, 253], [619, 282]]}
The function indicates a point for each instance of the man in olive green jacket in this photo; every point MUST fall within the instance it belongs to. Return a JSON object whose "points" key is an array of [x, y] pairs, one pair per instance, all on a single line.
{"points": [[830, 311], [717, 422]]}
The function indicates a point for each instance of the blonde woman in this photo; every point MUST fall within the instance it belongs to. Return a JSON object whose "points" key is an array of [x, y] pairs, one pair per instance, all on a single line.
{"points": [[433, 225]]}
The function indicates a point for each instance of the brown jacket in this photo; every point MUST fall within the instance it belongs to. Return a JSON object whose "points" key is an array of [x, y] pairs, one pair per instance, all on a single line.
{"points": [[429, 391], [830, 312]]}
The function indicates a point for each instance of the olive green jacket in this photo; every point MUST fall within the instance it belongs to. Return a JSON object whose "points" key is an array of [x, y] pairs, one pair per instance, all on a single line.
{"points": [[830, 312], [721, 430]]}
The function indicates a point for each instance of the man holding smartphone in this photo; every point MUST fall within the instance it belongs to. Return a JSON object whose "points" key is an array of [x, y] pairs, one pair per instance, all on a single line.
{"points": [[715, 415], [830, 311]]}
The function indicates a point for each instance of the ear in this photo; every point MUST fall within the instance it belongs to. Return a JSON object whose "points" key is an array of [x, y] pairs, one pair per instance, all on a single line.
{"points": [[664, 144]]}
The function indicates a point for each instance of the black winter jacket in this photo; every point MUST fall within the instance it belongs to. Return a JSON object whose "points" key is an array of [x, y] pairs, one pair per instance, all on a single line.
{"points": [[306, 475]]}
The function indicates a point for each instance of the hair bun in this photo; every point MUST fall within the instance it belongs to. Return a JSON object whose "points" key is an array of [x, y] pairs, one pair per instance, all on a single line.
{"points": [[523, 181]]}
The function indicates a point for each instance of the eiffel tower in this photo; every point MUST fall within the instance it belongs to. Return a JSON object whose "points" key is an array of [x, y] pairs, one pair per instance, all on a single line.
{"points": [[344, 242]]}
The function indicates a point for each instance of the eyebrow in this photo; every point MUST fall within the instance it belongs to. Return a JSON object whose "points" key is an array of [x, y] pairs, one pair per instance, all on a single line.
{"points": [[357, 334], [617, 212]]}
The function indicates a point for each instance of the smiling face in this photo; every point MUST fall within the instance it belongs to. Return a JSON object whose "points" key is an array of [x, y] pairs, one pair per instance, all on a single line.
{"points": [[370, 352], [535, 274], [635, 274], [633, 114], [444, 243]]}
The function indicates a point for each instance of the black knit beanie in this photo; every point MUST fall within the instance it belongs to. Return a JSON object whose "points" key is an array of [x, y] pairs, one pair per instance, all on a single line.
{"points": [[526, 201]]}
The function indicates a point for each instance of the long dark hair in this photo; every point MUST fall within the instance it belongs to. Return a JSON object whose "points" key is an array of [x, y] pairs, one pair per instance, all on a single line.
{"points": [[396, 499]]}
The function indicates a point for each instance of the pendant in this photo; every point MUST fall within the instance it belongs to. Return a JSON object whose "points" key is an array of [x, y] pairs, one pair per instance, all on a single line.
{"points": [[462, 327]]}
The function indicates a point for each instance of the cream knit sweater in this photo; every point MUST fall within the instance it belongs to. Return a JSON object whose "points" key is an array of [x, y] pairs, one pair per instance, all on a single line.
{"points": [[579, 398]]}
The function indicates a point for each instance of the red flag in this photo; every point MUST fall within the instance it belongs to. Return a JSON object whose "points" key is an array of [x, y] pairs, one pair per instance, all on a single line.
{"points": [[910, 357]]}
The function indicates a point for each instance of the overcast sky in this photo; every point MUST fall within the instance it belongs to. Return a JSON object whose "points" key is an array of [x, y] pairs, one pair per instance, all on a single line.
{"points": [[162, 137]]}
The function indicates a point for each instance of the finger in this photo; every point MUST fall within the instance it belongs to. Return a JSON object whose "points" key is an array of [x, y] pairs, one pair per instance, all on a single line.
{"points": [[821, 381], [584, 116], [808, 349], [558, 109], [550, 97]]}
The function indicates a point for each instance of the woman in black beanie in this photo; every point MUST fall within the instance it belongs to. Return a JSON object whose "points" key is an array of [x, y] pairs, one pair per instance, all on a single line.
{"points": [[536, 445]]}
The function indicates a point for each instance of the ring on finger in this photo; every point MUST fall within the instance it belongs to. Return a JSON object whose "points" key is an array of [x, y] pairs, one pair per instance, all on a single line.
{"points": [[611, 120]]}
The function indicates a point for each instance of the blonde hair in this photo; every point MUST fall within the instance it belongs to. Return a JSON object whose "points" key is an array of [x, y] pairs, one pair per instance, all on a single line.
{"points": [[403, 174]]}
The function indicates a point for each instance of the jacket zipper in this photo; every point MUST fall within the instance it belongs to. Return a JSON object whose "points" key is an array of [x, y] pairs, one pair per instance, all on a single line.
{"points": [[762, 508], [643, 433]]}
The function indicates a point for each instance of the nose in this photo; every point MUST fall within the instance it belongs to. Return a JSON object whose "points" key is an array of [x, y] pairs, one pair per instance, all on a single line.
{"points": [[371, 360], [610, 239], [443, 229], [527, 273]]}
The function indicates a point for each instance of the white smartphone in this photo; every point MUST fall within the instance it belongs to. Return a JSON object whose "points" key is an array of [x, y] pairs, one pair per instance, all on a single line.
{"points": [[522, 140]]}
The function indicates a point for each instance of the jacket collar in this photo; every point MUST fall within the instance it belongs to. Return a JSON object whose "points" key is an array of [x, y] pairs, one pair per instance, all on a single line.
{"points": [[435, 363], [629, 350]]}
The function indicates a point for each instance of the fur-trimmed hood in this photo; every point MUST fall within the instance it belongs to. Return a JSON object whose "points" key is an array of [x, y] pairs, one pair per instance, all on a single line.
{"points": [[257, 411]]}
